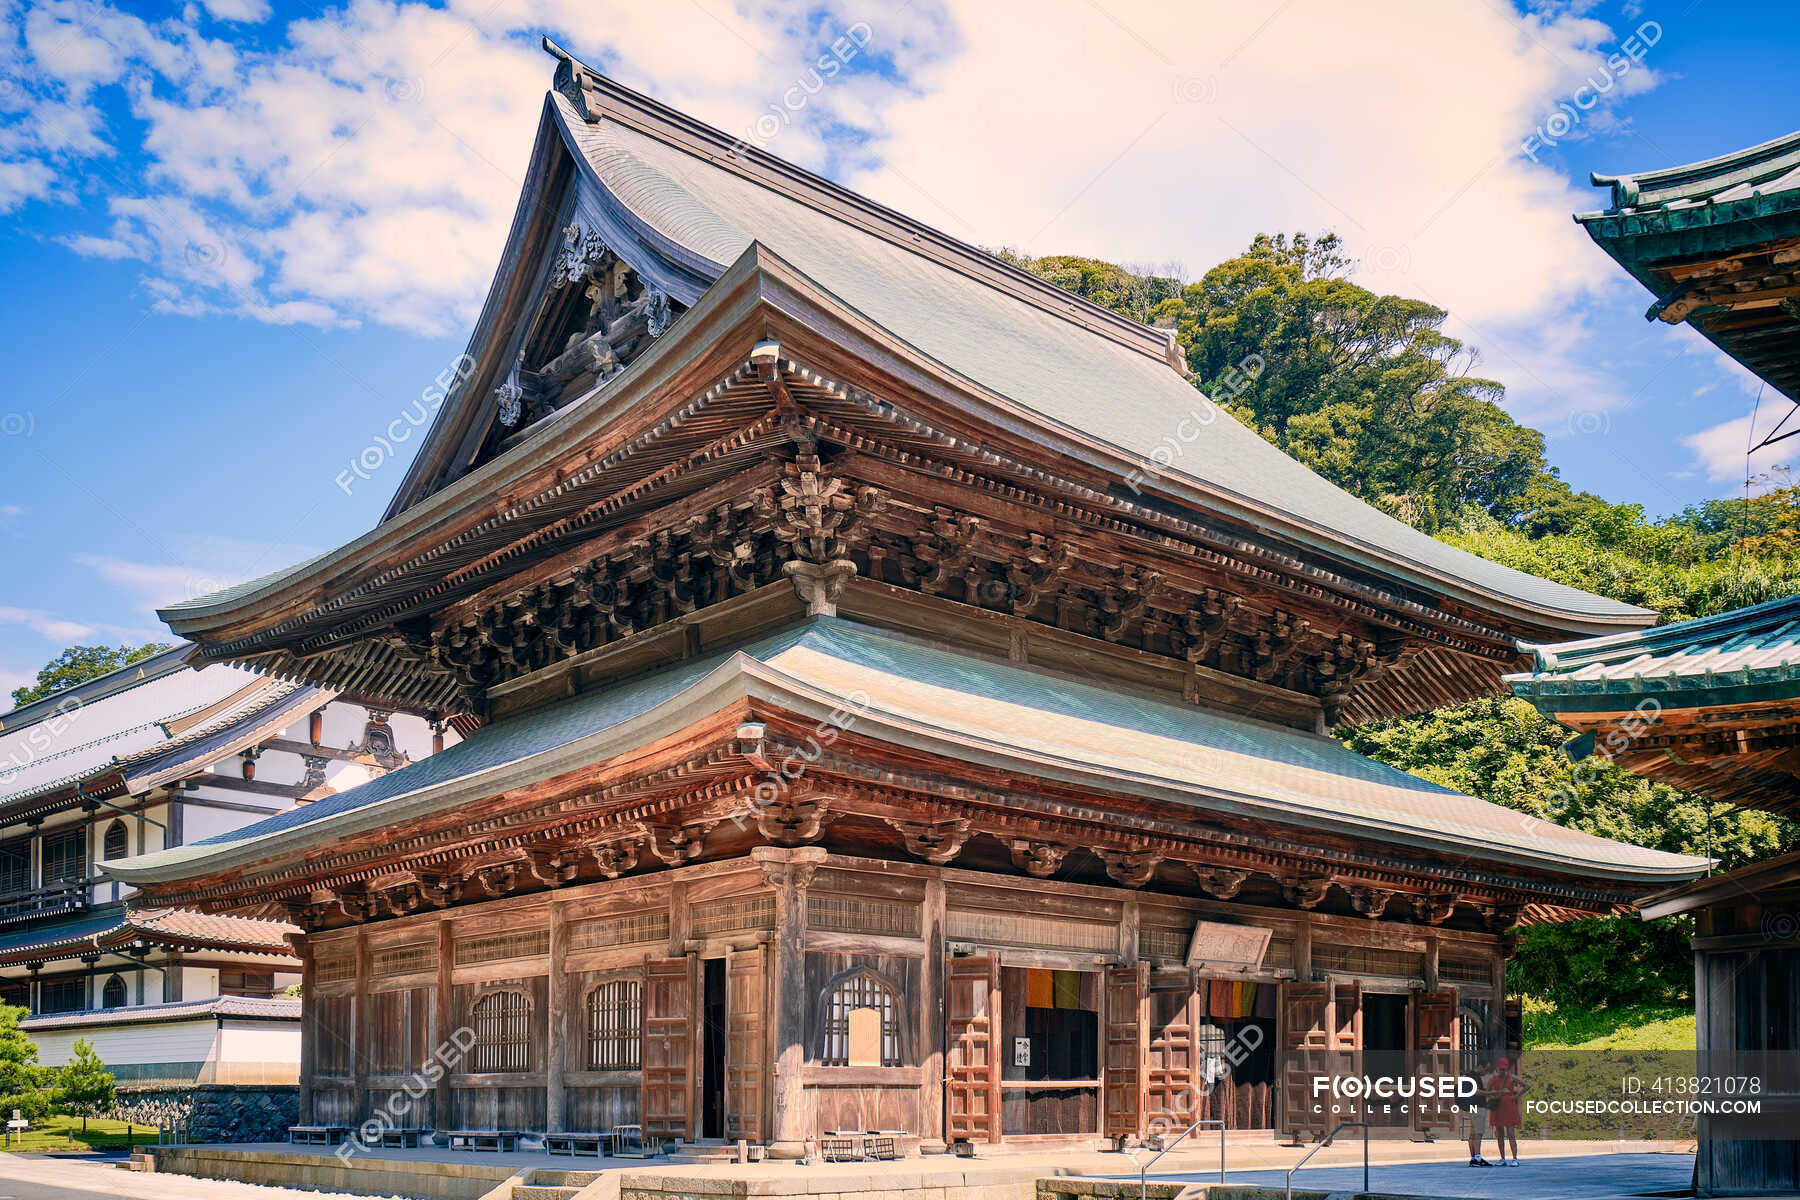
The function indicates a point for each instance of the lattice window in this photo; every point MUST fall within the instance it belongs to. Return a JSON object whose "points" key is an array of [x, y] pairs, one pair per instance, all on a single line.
{"points": [[630, 929], [15, 866], [1461, 970], [1166, 944], [114, 994], [1046, 933], [853, 914], [615, 1018], [64, 995], [1365, 960], [63, 858], [736, 915], [502, 1032], [257, 984], [409, 959], [117, 843], [1280, 955], [860, 992], [339, 969], [500, 947]]}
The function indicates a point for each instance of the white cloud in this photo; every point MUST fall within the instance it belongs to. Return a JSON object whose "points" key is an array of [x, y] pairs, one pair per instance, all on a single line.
{"points": [[1135, 130], [201, 565], [1723, 451], [238, 10], [46, 625], [367, 169], [22, 181]]}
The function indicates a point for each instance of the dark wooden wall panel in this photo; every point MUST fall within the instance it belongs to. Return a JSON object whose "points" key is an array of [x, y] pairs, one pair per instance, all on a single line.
{"points": [[1049, 1110], [329, 1026], [593, 1109], [499, 1108], [867, 1107]]}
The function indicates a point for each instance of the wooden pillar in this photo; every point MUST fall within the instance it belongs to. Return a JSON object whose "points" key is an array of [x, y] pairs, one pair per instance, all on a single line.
{"points": [[1499, 1009], [789, 871], [557, 1034], [1303, 951], [360, 1042], [309, 1029], [1129, 922], [444, 1020], [1431, 962], [933, 1019]]}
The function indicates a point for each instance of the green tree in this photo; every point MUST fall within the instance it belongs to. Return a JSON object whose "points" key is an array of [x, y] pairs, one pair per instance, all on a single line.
{"points": [[21, 1079], [1366, 389], [78, 664], [84, 1085]]}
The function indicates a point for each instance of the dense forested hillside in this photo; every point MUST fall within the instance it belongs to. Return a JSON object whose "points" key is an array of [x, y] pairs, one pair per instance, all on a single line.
{"points": [[1370, 392]]}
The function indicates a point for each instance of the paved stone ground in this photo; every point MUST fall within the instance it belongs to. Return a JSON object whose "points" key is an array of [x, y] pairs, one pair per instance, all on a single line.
{"points": [[1589, 1177], [31, 1178]]}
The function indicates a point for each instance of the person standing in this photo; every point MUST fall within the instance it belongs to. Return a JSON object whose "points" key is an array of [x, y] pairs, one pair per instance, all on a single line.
{"points": [[1478, 1116], [1506, 1088]]}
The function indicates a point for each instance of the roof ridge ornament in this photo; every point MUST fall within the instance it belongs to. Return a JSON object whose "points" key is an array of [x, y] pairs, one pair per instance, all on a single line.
{"points": [[569, 74]]}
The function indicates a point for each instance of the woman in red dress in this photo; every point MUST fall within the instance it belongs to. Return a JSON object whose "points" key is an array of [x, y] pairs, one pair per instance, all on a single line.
{"points": [[1506, 1088]]}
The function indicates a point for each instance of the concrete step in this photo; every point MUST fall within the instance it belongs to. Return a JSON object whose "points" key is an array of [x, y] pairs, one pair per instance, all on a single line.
{"points": [[533, 1191]]}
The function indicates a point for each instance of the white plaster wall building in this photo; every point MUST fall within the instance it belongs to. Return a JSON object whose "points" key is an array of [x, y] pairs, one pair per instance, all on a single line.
{"points": [[152, 756]]}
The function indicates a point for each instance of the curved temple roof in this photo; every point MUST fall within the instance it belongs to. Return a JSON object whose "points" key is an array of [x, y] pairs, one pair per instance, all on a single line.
{"points": [[136, 727], [1028, 722], [1084, 375], [1737, 657]]}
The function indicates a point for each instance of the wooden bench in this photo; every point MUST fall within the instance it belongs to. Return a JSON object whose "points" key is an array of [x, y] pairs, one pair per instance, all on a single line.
{"points": [[577, 1144], [484, 1139], [403, 1138], [317, 1135]]}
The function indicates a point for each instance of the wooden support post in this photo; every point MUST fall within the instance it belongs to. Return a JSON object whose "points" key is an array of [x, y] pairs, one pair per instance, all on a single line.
{"points": [[556, 1032], [789, 871], [309, 1030], [361, 1044], [1129, 922], [1303, 951], [444, 1021], [1431, 962], [933, 1017]]}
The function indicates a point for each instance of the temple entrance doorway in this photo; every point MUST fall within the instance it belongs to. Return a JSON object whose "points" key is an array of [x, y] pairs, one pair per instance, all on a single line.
{"points": [[713, 1038], [1386, 1050]]}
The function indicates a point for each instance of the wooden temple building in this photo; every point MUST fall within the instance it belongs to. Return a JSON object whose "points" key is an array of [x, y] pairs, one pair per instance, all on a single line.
{"points": [[904, 705], [1712, 706]]}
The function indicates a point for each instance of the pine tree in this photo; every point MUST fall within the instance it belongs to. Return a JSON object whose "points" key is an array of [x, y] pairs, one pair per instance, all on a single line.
{"points": [[84, 1084], [21, 1079]]}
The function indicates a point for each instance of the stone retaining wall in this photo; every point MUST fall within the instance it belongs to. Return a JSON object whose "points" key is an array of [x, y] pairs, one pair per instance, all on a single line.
{"points": [[212, 1112]]}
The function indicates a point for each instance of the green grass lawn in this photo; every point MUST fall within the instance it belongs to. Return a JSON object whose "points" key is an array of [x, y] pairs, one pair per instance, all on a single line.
{"points": [[65, 1133], [1633, 1027]]}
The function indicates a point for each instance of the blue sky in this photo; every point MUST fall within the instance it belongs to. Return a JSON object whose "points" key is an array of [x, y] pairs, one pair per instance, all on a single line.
{"points": [[238, 237]]}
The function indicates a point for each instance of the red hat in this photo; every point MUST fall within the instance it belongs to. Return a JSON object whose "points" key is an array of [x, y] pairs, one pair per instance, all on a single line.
{"points": [[1501, 1063]]}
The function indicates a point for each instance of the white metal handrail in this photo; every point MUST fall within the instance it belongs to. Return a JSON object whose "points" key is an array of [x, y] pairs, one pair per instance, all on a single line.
{"points": [[1326, 1141], [1144, 1170]]}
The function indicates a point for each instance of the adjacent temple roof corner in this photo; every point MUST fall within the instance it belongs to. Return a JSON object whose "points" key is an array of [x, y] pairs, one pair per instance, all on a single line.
{"points": [[1717, 244]]}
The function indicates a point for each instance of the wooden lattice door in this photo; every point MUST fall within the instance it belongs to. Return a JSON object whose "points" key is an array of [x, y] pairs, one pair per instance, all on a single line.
{"points": [[746, 1044], [1437, 1037], [1122, 1095], [972, 1067], [1171, 1084], [1305, 1054], [668, 1041]]}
